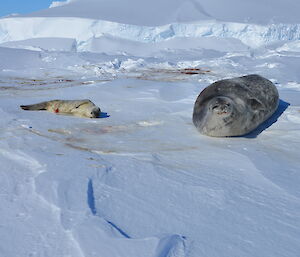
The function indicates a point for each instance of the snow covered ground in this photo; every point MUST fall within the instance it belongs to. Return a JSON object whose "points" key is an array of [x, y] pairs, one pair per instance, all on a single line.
{"points": [[141, 181]]}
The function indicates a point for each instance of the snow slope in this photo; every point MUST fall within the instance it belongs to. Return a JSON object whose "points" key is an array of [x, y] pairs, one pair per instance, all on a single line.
{"points": [[156, 12], [141, 181]]}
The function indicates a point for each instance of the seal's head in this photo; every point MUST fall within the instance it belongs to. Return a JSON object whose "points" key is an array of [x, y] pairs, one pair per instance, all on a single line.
{"points": [[95, 113], [86, 109], [220, 107], [219, 116]]}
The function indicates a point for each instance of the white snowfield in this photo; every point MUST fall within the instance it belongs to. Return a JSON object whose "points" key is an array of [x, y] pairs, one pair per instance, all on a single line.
{"points": [[141, 181]]}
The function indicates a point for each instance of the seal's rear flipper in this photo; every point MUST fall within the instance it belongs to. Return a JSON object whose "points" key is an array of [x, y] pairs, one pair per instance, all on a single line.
{"points": [[35, 107]]}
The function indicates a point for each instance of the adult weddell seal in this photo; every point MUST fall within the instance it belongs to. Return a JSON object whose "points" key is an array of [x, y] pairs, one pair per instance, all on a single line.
{"points": [[81, 108], [235, 107]]}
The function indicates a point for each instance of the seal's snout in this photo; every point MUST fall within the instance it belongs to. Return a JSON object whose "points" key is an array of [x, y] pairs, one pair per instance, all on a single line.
{"points": [[220, 106], [221, 109]]}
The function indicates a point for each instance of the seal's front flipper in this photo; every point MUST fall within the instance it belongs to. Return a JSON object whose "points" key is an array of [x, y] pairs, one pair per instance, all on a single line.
{"points": [[255, 104], [35, 107]]}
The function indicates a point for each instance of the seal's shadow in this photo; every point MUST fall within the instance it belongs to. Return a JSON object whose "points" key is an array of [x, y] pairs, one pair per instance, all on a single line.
{"points": [[103, 115], [282, 106]]}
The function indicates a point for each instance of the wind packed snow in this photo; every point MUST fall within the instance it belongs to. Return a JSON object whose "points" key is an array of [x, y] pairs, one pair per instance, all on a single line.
{"points": [[141, 181]]}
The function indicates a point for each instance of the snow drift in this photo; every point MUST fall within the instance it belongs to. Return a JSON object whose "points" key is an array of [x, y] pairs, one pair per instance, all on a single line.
{"points": [[141, 181]]}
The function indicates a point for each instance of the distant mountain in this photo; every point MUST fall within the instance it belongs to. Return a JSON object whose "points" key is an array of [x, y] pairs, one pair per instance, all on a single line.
{"points": [[160, 12]]}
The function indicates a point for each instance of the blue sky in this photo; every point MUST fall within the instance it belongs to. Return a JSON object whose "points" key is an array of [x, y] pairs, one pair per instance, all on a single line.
{"points": [[22, 6]]}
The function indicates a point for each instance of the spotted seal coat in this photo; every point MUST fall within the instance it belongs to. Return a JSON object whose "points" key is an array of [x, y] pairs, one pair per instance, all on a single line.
{"points": [[236, 106]]}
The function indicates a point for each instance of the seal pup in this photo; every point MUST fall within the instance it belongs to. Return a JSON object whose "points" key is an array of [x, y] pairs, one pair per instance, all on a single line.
{"points": [[81, 108], [235, 107]]}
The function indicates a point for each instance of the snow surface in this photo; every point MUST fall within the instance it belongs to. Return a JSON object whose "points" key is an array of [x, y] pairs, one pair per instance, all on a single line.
{"points": [[141, 181]]}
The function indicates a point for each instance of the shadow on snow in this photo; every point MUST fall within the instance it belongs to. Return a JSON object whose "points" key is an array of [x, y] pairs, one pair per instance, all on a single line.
{"points": [[282, 106]]}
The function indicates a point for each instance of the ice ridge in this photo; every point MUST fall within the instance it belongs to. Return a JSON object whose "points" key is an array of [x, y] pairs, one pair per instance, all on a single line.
{"points": [[82, 30]]}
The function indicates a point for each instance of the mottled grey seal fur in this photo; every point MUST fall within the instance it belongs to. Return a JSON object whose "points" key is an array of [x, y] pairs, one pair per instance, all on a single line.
{"points": [[235, 107], [81, 108]]}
